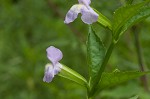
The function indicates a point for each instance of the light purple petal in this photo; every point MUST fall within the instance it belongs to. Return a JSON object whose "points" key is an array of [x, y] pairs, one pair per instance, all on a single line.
{"points": [[89, 16], [57, 68], [73, 13], [85, 2], [49, 73], [54, 54]]}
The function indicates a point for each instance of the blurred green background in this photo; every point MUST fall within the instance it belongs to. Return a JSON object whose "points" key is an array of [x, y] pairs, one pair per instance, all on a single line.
{"points": [[28, 27]]}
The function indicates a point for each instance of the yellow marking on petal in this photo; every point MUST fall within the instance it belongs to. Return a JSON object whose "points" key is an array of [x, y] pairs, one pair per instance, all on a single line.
{"points": [[77, 8]]}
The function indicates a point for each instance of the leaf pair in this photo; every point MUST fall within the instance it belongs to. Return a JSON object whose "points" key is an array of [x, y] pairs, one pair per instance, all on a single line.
{"points": [[123, 18], [127, 16], [96, 54]]}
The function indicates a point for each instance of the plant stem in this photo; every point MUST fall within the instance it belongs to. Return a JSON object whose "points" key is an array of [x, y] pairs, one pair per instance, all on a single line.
{"points": [[102, 68], [140, 58]]}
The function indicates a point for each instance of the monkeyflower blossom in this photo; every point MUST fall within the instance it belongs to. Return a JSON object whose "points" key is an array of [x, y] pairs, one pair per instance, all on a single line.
{"points": [[89, 16], [54, 55]]}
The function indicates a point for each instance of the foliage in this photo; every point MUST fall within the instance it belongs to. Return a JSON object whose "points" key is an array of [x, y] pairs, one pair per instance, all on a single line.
{"points": [[28, 27], [95, 55]]}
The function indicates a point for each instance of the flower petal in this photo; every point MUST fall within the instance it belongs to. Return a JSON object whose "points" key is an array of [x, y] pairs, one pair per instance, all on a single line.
{"points": [[54, 54], [73, 13], [89, 16], [49, 73], [85, 2], [57, 68]]}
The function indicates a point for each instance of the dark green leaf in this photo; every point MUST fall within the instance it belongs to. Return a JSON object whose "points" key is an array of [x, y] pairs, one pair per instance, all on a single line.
{"points": [[142, 14], [95, 54], [127, 16], [115, 78]]}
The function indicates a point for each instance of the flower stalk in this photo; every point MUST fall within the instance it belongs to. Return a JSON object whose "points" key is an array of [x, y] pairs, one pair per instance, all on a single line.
{"points": [[140, 57]]}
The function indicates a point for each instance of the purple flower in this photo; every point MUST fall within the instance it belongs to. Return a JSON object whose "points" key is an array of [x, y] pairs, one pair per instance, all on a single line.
{"points": [[88, 14], [54, 55]]}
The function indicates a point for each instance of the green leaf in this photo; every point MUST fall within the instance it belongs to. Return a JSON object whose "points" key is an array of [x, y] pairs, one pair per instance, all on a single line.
{"points": [[103, 20], [127, 16], [95, 54], [72, 75], [142, 14], [115, 78]]}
